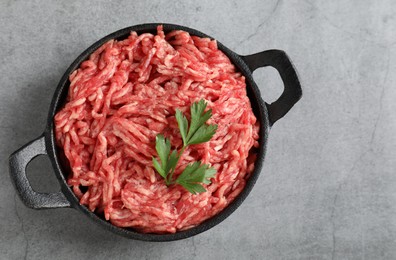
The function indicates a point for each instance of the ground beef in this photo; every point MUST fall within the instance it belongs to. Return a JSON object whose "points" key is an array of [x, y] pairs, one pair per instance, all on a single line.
{"points": [[122, 97]]}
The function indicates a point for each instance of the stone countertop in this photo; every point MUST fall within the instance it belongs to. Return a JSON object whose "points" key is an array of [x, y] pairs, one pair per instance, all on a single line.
{"points": [[328, 186]]}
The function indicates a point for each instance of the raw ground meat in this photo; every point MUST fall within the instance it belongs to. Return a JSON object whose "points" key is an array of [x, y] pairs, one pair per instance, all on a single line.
{"points": [[122, 97]]}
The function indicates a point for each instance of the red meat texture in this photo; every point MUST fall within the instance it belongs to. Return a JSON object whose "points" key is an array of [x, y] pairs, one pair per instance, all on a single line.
{"points": [[125, 94]]}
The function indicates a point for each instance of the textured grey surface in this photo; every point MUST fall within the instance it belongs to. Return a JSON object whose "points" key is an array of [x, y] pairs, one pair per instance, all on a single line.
{"points": [[328, 186]]}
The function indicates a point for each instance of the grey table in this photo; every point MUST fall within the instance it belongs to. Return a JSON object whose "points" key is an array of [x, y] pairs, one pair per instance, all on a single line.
{"points": [[328, 186]]}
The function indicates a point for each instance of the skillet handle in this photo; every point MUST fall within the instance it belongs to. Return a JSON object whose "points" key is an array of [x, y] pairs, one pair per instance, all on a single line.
{"points": [[18, 162], [292, 88]]}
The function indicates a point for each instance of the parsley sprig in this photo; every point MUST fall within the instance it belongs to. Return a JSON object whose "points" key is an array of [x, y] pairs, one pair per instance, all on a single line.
{"points": [[196, 132]]}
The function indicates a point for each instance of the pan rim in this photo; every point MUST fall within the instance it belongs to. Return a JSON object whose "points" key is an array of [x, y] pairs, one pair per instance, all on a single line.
{"points": [[261, 114]]}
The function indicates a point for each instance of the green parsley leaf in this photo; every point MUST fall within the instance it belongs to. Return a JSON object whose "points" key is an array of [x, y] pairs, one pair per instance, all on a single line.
{"points": [[171, 166], [162, 146], [209, 173], [183, 125], [198, 120], [194, 174], [203, 134], [158, 167], [188, 171], [193, 188], [168, 160]]}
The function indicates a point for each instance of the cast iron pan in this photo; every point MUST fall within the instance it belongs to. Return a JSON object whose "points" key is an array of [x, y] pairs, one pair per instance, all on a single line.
{"points": [[267, 114]]}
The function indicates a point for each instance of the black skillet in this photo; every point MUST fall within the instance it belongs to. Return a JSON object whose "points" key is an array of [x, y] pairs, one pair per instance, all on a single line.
{"points": [[267, 114]]}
